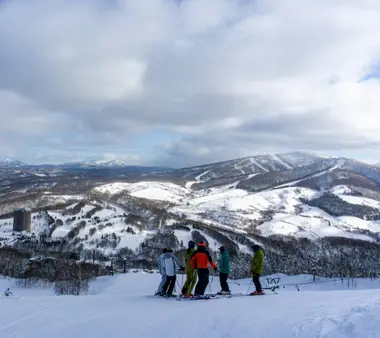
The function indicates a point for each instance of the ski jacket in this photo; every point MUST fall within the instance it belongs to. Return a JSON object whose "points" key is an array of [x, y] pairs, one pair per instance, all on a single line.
{"points": [[188, 255], [160, 264], [201, 258], [257, 262], [171, 264], [224, 263]]}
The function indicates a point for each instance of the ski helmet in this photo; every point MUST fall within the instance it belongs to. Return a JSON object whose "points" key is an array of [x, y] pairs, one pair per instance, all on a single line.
{"points": [[255, 247], [191, 244], [202, 243]]}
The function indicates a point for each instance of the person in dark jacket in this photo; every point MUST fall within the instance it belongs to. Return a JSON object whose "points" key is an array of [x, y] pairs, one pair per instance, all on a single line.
{"points": [[224, 271], [200, 260], [191, 274], [257, 269]]}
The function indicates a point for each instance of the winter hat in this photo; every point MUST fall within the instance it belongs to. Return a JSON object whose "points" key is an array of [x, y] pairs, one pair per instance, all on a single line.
{"points": [[222, 249], [191, 244], [164, 250], [255, 247], [201, 243]]}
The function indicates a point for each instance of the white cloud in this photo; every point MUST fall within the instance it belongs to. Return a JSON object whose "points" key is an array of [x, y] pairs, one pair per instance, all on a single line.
{"points": [[233, 77]]}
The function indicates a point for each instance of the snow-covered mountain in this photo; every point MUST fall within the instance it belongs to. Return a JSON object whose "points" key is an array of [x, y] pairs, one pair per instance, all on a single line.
{"points": [[121, 216], [261, 199], [285, 210], [105, 163], [93, 164], [8, 163]]}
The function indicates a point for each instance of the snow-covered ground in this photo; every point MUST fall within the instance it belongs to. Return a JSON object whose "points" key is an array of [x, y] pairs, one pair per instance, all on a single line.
{"points": [[150, 190], [276, 211], [119, 307], [238, 209], [110, 220]]}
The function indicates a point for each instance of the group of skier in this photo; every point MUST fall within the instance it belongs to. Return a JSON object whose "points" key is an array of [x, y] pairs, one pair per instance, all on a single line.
{"points": [[197, 261]]}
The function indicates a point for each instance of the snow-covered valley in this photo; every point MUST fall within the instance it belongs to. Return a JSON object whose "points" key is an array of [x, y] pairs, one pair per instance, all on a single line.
{"points": [[308, 212], [104, 223], [243, 210]]}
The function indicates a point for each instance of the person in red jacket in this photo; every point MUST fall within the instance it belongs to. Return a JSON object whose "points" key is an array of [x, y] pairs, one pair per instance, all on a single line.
{"points": [[200, 260]]}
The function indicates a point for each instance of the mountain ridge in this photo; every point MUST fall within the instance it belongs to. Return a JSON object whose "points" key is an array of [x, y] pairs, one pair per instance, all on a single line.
{"points": [[272, 200]]}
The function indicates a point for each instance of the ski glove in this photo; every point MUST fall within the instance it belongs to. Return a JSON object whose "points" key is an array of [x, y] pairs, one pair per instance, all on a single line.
{"points": [[182, 268], [216, 269]]}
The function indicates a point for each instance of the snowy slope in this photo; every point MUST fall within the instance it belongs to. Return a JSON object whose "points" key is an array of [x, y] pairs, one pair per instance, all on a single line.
{"points": [[238, 208], [118, 307], [227, 206], [271, 212], [108, 221], [150, 190]]}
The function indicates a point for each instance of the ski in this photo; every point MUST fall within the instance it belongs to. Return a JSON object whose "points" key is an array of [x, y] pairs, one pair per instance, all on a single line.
{"points": [[264, 294], [161, 297], [239, 294], [209, 296], [204, 297], [243, 295]]}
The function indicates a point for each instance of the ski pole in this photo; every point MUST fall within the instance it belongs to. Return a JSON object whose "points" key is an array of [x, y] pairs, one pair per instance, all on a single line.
{"points": [[249, 286], [209, 285], [232, 281], [179, 286]]}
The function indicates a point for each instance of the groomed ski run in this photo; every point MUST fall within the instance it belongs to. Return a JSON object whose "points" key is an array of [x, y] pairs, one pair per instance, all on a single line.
{"points": [[120, 307]]}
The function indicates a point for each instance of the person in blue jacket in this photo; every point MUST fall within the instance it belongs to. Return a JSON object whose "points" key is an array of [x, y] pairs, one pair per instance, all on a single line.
{"points": [[224, 271]]}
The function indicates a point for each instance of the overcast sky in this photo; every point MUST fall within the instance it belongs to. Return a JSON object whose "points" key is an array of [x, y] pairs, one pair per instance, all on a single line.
{"points": [[181, 82]]}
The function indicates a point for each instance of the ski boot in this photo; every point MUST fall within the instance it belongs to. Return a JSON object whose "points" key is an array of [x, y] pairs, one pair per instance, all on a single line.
{"points": [[255, 293]]}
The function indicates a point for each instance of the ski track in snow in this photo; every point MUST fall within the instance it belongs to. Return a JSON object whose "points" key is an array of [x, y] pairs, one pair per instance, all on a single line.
{"points": [[302, 179], [253, 161], [278, 159], [199, 177], [118, 308], [237, 168]]}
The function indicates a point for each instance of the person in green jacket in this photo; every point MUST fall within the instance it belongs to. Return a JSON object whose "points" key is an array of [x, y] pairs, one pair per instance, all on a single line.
{"points": [[224, 271], [257, 268], [191, 274]]}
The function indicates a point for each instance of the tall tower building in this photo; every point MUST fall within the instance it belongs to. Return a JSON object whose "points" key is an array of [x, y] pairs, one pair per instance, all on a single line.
{"points": [[22, 219]]}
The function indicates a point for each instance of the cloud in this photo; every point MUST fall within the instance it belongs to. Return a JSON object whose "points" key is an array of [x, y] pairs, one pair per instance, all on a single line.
{"points": [[85, 79]]}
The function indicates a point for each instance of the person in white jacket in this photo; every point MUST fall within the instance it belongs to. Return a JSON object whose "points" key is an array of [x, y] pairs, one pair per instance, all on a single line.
{"points": [[171, 265], [161, 269]]}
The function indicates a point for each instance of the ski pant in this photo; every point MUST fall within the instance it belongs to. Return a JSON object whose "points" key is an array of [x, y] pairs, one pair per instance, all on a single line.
{"points": [[191, 278], [203, 276], [162, 283], [223, 281], [169, 285], [256, 281]]}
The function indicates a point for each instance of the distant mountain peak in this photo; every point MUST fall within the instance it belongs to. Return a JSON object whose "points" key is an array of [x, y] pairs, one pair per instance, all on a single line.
{"points": [[116, 162], [106, 163], [10, 162]]}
